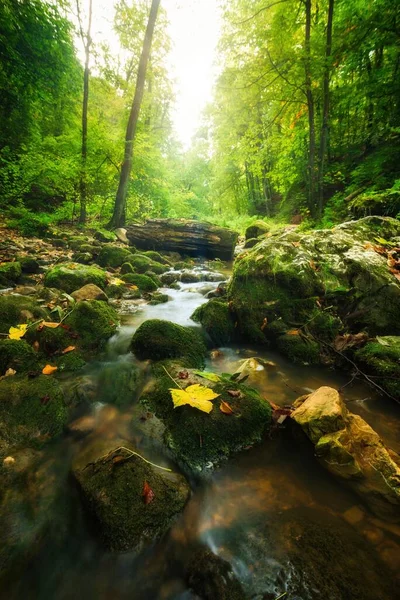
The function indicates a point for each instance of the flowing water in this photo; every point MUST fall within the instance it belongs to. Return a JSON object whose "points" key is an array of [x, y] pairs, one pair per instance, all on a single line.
{"points": [[286, 526]]}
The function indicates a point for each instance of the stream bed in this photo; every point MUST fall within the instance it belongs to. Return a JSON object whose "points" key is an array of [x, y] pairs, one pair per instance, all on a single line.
{"points": [[286, 526]]}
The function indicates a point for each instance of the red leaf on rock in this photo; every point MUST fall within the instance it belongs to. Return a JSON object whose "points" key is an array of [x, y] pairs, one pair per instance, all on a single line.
{"points": [[148, 494], [183, 375]]}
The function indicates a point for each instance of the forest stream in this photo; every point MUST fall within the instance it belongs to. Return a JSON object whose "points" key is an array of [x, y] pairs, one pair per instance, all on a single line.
{"points": [[285, 525]]}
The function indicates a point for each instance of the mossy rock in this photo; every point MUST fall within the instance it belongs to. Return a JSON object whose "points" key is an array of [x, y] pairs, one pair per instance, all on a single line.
{"points": [[29, 265], [250, 243], [17, 355], [258, 228], [217, 321], [299, 349], [114, 256], [70, 277], [95, 322], [119, 383], [83, 258], [158, 340], [190, 277], [102, 235], [15, 310], [157, 257], [154, 277], [382, 359], [10, 271], [113, 492], [142, 263], [115, 291], [158, 298], [201, 441], [211, 577], [127, 268], [32, 410], [143, 282], [71, 362]]}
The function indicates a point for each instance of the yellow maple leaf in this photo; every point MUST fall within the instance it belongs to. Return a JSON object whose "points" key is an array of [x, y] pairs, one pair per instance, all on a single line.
{"points": [[16, 333], [196, 395], [117, 281]]}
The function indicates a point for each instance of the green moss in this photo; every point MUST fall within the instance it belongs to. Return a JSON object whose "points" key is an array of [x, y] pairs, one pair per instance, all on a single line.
{"points": [[114, 495], [31, 410], [155, 278], [156, 256], [72, 276], [200, 440], [383, 361], [143, 282], [10, 271], [95, 322], [299, 349], [258, 228], [29, 265], [158, 298], [324, 325], [119, 383], [15, 310], [216, 319], [127, 268], [113, 256], [142, 263], [70, 362], [17, 355], [102, 235], [115, 291], [158, 340]]}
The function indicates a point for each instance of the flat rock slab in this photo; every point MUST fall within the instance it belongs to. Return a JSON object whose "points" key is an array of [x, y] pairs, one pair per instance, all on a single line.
{"points": [[193, 238]]}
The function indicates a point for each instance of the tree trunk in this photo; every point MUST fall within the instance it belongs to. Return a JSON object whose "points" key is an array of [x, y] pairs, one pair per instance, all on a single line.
{"points": [[118, 217], [83, 175], [311, 111], [325, 109]]}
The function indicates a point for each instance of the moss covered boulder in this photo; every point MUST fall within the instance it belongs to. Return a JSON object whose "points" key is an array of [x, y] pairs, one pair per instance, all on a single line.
{"points": [[381, 358], [10, 271], [73, 276], [198, 440], [89, 292], [17, 355], [15, 310], [32, 410], [217, 321], [119, 382], [142, 263], [94, 322], [132, 502], [350, 449], [158, 340], [143, 282], [258, 228], [113, 256], [324, 282]]}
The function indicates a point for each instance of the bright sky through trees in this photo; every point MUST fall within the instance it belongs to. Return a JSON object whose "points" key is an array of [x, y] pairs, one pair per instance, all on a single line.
{"points": [[194, 29]]}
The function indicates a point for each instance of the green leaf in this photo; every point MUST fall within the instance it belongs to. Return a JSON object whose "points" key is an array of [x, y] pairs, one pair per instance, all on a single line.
{"points": [[208, 375]]}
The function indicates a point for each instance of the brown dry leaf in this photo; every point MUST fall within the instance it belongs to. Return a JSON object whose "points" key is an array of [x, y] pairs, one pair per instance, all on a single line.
{"points": [[225, 408], [296, 244], [313, 265], [349, 340], [117, 459], [264, 323], [49, 324], [68, 349], [293, 332], [35, 345], [48, 370], [148, 494]]}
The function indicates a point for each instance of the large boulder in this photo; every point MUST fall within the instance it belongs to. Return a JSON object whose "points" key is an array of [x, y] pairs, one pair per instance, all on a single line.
{"points": [[256, 230], [350, 449], [113, 256], [16, 310], [315, 285], [200, 441], [157, 339], [217, 320], [70, 277], [132, 501], [89, 291]]}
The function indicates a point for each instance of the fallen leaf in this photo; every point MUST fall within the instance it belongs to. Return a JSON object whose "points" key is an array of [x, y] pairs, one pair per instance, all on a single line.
{"points": [[10, 372], [264, 323], [117, 281], [349, 340], [225, 408], [49, 324], [296, 244], [16, 333], [148, 494], [48, 370], [207, 375], [293, 332], [68, 349], [117, 459], [35, 345], [313, 265], [234, 393], [195, 395], [8, 461]]}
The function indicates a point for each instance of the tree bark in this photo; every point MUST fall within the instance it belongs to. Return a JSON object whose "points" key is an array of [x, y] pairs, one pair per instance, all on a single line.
{"points": [[326, 107], [87, 41], [311, 110], [118, 217]]}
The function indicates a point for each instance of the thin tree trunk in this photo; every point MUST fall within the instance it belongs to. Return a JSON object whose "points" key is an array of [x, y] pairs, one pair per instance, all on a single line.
{"points": [[83, 175], [311, 110], [325, 109], [118, 217]]}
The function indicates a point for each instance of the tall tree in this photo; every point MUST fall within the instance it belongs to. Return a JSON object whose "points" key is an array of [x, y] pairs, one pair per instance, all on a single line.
{"points": [[87, 42], [118, 217]]}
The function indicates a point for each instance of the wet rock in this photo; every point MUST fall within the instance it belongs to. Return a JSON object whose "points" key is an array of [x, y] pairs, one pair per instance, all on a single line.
{"points": [[190, 277], [105, 236], [114, 491], [89, 292], [95, 322], [113, 256], [217, 321], [200, 441], [212, 577], [119, 383], [158, 298], [29, 265], [72, 276], [169, 277], [381, 358], [350, 449], [25, 290], [142, 263], [84, 258], [143, 282], [17, 355], [158, 340]]}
